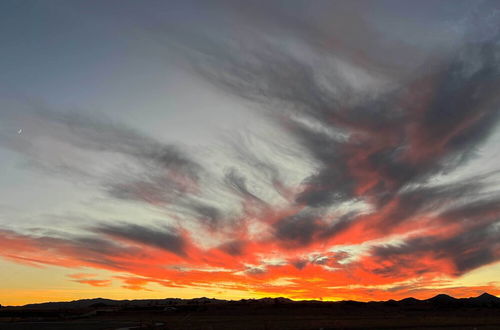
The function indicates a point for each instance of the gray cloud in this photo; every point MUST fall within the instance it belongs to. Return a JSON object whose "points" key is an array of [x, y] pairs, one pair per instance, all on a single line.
{"points": [[238, 183], [234, 248], [308, 226], [298, 229], [466, 251], [366, 144], [377, 116], [164, 238], [68, 250]]}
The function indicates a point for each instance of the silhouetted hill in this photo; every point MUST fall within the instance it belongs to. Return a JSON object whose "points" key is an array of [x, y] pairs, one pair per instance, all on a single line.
{"points": [[442, 299], [82, 303], [96, 303], [410, 300], [439, 312], [486, 298]]}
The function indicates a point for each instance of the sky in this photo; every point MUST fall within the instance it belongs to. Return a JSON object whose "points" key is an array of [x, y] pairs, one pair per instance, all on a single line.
{"points": [[243, 149]]}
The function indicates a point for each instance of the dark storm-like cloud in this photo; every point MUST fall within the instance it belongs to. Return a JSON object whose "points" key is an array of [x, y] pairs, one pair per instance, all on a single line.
{"points": [[299, 263], [468, 239], [426, 199], [308, 226], [164, 238], [382, 146], [466, 251], [234, 248], [298, 229], [479, 210], [329, 184], [67, 250], [408, 148]]}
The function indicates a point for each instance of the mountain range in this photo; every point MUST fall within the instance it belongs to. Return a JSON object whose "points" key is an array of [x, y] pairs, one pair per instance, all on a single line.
{"points": [[483, 300]]}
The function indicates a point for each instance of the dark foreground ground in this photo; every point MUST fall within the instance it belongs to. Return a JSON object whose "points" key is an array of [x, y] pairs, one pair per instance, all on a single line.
{"points": [[443, 312]]}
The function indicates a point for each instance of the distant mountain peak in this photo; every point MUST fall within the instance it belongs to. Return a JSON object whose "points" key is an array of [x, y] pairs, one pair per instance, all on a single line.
{"points": [[442, 297], [486, 294], [486, 297]]}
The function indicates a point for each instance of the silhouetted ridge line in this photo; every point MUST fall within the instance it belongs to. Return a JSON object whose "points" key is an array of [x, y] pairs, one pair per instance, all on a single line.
{"points": [[484, 299]]}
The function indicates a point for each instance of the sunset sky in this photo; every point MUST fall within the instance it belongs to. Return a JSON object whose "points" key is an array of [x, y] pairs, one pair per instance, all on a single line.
{"points": [[244, 149]]}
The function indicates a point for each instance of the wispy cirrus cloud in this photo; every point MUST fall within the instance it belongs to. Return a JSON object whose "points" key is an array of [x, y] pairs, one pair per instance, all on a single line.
{"points": [[375, 142]]}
